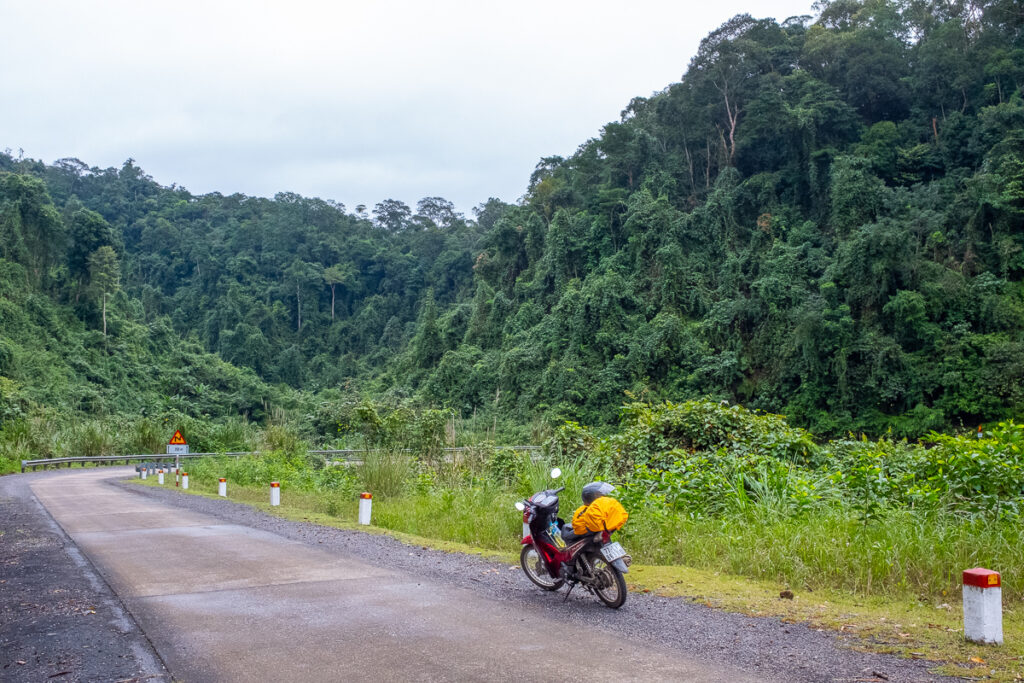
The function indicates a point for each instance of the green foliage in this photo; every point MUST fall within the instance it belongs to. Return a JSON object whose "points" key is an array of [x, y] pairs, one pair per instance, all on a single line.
{"points": [[704, 458], [820, 219], [507, 466], [386, 473], [655, 432]]}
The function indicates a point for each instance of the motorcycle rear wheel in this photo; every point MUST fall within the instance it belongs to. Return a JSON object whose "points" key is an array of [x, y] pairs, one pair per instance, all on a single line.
{"points": [[612, 588], [533, 566]]}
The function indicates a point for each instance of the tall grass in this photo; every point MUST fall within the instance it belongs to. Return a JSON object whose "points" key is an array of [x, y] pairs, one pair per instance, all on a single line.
{"points": [[386, 473], [902, 552], [482, 516]]}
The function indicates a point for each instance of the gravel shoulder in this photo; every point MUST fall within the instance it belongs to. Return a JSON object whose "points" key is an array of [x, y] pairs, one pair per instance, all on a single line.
{"points": [[764, 646], [59, 620]]}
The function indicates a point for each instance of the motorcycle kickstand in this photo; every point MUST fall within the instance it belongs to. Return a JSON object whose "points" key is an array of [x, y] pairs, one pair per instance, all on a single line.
{"points": [[569, 592]]}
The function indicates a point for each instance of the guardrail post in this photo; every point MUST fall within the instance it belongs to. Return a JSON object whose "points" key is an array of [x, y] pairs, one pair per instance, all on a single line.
{"points": [[23, 467]]}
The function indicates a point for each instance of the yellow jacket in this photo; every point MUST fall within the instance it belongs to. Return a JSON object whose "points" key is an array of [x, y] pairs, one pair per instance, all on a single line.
{"points": [[603, 513]]}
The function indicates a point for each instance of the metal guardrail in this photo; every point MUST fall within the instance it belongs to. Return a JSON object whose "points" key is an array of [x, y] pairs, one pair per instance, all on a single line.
{"points": [[116, 459]]}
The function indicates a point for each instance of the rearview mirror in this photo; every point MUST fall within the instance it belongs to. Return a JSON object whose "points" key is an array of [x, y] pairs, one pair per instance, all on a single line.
{"points": [[556, 473], [520, 506]]}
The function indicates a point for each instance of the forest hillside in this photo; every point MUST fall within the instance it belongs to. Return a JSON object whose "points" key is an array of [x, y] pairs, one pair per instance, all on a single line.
{"points": [[823, 218]]}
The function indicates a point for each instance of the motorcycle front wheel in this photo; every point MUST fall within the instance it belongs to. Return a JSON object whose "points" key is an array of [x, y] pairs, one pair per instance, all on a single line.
{"points": [[610, 587], [533, 565]]}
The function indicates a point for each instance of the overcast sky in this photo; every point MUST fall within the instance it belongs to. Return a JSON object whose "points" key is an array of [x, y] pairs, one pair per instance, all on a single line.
{"points": [[351, 101]]}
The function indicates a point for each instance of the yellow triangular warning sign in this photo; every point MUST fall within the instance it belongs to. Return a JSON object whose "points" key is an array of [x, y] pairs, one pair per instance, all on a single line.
{"points": [[177, 439]]}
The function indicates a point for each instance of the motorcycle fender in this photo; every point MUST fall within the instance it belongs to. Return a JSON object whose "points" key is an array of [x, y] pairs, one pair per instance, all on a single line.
{"points": [[620, 565], [528, 540]]}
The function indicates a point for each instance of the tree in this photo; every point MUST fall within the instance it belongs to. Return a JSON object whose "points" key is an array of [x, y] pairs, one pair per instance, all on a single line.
{"points": [[392, 215], [856, 195], [726, 67], [338, 274], [104, 276], [89, 231], [427, 347], [31, 230], [438, 210], [304, 277]]}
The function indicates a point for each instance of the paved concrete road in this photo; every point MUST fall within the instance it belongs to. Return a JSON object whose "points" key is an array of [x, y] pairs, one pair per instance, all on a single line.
{"points": [[223, 602]]}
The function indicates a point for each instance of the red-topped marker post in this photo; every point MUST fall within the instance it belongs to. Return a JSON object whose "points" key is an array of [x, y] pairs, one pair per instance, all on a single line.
{"points": [[365, 506], [983, 606]]}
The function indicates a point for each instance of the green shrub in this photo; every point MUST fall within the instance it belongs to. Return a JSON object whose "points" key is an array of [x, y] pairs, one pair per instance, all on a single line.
{"points": [[653, 431], [505, 465]]}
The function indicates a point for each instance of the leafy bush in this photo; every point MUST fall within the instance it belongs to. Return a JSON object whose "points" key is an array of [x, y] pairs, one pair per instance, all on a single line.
{"points": [[703, 458], [505, 465], [702, 425]]}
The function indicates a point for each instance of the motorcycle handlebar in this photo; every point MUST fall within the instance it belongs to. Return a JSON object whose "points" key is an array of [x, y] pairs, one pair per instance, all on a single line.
{"points": [[558, 490]]}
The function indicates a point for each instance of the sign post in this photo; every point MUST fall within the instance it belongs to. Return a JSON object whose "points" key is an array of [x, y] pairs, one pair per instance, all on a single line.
{"points": [[177, 447]]}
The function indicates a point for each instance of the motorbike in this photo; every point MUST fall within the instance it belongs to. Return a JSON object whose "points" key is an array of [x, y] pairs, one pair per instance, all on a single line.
{"points": [[594, 561]]}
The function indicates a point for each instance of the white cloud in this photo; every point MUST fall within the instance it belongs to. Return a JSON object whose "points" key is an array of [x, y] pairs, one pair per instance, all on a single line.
{"points": [[350, 101]]}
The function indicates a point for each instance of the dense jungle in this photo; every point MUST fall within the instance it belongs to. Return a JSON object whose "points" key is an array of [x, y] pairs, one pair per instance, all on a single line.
{"points": [[824, 218]]}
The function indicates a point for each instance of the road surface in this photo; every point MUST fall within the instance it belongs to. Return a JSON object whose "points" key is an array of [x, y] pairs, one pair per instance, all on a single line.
{"points": [[226, 602]]}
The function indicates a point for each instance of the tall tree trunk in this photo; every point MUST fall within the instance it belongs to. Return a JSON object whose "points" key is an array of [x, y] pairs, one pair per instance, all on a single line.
{"points": [[707, 167], [298, 306], [104, 314], [332, 303], [689, 162]]}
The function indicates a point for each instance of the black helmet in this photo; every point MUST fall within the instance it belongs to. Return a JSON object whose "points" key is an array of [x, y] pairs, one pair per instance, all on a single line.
{"points": [[595, 490]]}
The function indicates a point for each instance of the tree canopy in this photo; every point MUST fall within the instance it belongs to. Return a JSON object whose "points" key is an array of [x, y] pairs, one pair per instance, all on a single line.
{"points": [[824, 218]]}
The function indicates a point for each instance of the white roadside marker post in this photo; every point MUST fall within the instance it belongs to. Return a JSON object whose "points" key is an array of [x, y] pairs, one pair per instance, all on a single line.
{"points": [[275, 493], [222, 488], [365, 507], [160, 476], [142, 472], [184, 480], [983, 606]]}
